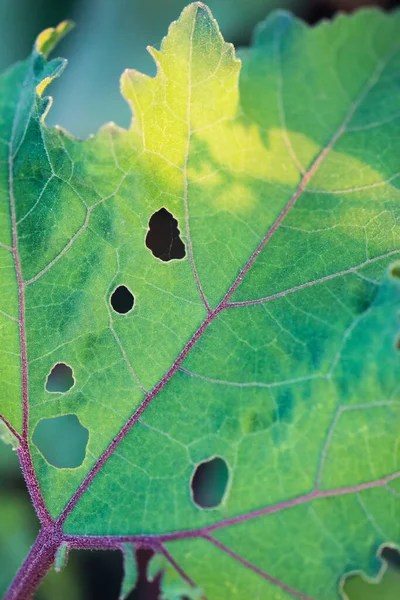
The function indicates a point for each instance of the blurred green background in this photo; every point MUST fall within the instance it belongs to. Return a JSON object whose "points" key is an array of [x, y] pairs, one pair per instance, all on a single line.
{"points": [[112, 35]]}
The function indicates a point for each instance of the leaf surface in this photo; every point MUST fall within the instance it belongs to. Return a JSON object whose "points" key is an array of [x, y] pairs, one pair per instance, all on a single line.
{"points": [[271, 344]]}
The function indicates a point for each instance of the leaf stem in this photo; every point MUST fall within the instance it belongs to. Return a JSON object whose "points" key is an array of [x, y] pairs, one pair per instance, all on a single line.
{"points": [[35, 566], [32, 484]]}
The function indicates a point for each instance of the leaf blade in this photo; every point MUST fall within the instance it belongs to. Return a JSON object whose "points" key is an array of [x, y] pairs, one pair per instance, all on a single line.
{"points": [[268, 347]]}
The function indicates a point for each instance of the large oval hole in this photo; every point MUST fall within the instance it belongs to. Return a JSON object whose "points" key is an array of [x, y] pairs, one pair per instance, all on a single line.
{"points": [[209, 482], [163, 237], [60, 378], [122, 300], [62, 441]]}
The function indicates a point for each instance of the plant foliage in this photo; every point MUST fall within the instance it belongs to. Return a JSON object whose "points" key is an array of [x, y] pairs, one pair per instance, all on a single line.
{"points": [[261, 331]]}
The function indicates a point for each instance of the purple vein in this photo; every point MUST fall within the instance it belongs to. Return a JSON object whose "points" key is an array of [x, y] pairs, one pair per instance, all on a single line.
{"points": [[9, 248], [311, 283], [12, 430], [153, 540], [210, 317], [126, 359], [249, 565], [185, 178], [23, 450], [51, 529], [32, 483], [82, 228], [249, 384], [2, 312], [35, 566], [123, 432], [305, 179], [314, 495], [176, 566], [281, 106], [114, 543], [21, 300]]}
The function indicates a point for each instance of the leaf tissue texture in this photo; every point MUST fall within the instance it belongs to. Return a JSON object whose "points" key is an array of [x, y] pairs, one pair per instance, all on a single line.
{"points": [[268, 341]]}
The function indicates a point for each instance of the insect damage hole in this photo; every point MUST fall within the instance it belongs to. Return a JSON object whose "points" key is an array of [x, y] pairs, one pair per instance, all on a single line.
{"points": [[391, 555], [394, 270], [60, 379], [163, 237], [209, 482], [357, 584], [62, 441], [122, 300]]}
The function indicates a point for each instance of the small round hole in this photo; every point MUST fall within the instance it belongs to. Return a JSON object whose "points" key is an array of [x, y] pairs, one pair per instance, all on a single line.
{"points": [[122, 300], [209, 482], [60, 378]]}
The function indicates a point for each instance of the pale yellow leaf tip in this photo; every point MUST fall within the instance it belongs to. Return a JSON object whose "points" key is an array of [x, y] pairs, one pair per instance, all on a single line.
{"points": [[49, 38], [45, 43], [137, 88]]}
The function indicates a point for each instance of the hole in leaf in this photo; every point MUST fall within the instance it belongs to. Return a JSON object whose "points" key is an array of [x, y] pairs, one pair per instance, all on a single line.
{"points": [[395, 270], [384, 586], [100, 573], [391, 556], [163, 237], [122, 300], [60, 378], [209, 482], [62, 441], [146, 588], [319, 11]]}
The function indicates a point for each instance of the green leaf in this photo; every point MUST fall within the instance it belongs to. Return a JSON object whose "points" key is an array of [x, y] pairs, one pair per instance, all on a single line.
{"points": [[272, 345], [84, 103], [174, 586], [130, 571], [18, 526], [61, 557]]}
